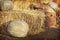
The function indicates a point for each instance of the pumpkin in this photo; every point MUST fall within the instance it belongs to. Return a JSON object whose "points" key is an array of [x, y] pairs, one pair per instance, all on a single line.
{"points": [[57, 1]]}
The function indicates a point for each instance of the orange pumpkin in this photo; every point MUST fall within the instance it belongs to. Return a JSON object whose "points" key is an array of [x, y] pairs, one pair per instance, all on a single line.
{"points": [[57, 1]]}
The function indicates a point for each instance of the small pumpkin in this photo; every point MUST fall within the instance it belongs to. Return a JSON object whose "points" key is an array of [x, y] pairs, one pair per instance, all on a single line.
{"points": [[57, 1]]}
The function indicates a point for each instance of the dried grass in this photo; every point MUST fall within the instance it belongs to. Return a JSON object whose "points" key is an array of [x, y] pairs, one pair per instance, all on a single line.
{"points": [[34, 18]]}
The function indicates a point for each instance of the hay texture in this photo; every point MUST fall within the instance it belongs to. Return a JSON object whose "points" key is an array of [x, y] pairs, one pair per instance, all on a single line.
{"points": [[35, 19]]}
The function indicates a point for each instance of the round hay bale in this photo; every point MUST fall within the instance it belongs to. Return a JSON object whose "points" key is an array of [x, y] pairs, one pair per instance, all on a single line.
{"points": [[35, 19]]}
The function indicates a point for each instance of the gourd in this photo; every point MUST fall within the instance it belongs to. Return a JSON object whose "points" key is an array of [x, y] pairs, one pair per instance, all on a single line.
{"points": [[6, 5], [18, 28], [57, 1]]}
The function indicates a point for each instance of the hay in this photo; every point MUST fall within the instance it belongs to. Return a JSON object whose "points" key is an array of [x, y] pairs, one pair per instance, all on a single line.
{"points": [[58, 17], [34, 18], [21, 5]]}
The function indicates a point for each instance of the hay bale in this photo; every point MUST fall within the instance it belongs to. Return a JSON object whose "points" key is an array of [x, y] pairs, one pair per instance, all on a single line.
{"points": [[34, 18], [58, 16], [21, 5]]}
